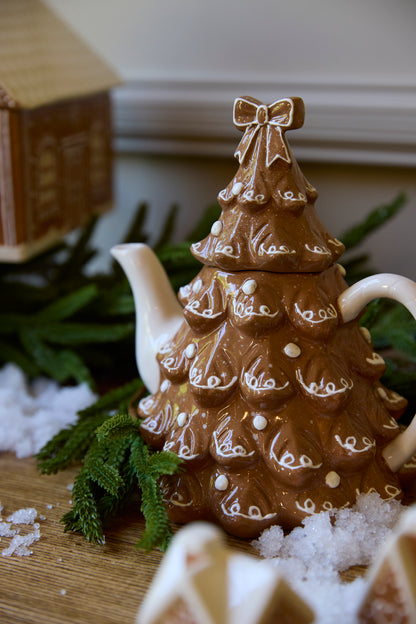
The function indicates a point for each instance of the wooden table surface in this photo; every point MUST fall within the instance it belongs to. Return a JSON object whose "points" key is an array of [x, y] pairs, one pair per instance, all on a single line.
{"points": [[67, 580]]}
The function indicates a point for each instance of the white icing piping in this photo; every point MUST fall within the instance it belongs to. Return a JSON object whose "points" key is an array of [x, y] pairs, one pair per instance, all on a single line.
{"points": [[254, 512], [375, 359], [151, 426], [321, 390], [213, 381], [393, 424], [223, 195], [258, 199], [287, 460], [165, 385], [393, 398], [188, 289], [350, 444], [227, 250], [207, 313], [335, 241], [257, 383], [411, 463], [290, 196], [185, 452], [242, 311], [166, 348], [167, 362], [185, 291], [308, 506], [226, 449], [317, 249], [146, 404], [324, 314], [391, 490], [176, 499], [271, 250]]}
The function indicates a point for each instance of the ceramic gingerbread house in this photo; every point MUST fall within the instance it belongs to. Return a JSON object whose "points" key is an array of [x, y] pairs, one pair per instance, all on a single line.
{"points": [[55, 129], [197, 582], [391, 593]]}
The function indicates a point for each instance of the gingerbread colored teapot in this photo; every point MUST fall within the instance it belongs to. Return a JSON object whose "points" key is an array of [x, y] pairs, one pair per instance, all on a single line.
{"points": [[261, 378]]}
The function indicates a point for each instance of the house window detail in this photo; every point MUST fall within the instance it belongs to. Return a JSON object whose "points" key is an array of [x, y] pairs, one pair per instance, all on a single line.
{"points": [[98, 158], [47, 181]]}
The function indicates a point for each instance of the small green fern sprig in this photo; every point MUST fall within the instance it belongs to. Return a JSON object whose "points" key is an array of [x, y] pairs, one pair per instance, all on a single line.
{"points": [[71, 444], [116, 462], [147, 466]]}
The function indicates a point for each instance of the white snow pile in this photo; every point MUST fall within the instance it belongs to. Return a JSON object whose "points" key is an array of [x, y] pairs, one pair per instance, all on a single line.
{"points": [[311, 556], [20, 542], [31, 414]]}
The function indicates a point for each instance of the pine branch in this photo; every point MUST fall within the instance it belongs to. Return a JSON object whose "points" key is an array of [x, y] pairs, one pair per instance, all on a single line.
{"points": [[116, 399], [377, 217], [166, 234], [157, 531], [69, 445], [68, 305], [115, 462], [84, 517]]}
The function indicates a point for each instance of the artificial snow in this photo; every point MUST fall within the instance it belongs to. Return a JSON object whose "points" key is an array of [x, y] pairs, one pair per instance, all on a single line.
{"points": [[31, 414], [311, 556], [19, 544], [23, 516]]}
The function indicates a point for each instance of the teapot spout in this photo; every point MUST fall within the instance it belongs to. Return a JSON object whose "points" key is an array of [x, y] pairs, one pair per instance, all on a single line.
{"points": [[158, 311]]}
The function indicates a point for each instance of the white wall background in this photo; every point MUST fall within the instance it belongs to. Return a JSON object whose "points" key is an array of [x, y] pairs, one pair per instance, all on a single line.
{"points": [[184, 61]]}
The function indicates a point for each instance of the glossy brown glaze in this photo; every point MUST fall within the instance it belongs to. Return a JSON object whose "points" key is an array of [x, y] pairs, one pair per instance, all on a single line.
{"points": [[273, 403]]}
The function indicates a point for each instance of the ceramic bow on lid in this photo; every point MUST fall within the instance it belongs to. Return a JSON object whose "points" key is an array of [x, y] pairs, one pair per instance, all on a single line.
{"points": [[262, 380]]}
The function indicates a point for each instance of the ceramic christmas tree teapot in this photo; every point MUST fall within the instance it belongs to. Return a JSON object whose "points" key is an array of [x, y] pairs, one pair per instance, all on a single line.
{"points": [[261, 379]]}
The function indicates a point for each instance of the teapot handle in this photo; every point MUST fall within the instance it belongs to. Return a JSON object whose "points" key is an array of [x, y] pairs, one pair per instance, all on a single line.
{"points": [[350, 303]]}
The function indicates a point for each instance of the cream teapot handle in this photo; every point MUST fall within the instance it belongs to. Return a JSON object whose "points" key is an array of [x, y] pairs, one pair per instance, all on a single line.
{"points": [[350, 303]]}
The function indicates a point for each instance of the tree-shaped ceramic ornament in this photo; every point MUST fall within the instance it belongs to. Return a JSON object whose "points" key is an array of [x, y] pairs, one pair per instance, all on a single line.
{"points": [[262, 380]]}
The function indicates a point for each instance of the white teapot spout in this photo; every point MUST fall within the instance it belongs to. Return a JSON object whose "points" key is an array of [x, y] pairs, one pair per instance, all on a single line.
{"points": [[158, 311]]}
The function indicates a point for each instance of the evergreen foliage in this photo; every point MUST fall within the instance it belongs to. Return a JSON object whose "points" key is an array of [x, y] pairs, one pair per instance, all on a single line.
{"points": [[115, 463], [57, 320]]}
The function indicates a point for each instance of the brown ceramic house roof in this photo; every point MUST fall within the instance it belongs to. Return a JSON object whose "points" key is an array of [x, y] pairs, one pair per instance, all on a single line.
{"points": [[42, 60]]}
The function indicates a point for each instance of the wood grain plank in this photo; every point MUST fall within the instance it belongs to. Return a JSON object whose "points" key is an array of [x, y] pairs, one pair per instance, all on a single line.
{"points": [[67, 580]]}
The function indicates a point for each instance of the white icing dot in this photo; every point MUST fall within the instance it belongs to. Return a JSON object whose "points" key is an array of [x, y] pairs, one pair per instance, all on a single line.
{"points": [[292, 350], [332, 479], [216, 228], [221, 483], [196, 286], [366, 334], [249, 286], [164, 385], [190, 350], [236, 188], [182, 419], [342, 270], [259, 422]]}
